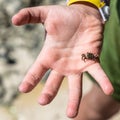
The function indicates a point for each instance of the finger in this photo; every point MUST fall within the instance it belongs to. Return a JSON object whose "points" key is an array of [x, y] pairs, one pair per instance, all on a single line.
{"points": [[75, 93], [51, 87], [99, 75], [33, 76], [30, 15]]}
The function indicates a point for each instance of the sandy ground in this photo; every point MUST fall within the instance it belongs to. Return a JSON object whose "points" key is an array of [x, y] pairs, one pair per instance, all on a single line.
{"points": [[26, 106]]}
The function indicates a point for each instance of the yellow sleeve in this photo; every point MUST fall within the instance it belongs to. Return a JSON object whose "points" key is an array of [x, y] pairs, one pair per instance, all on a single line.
{"points": [[97, 3]]}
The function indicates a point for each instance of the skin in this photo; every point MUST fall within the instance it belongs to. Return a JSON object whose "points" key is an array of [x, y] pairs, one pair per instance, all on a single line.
{"points": [[95, 105], [70, 32]]}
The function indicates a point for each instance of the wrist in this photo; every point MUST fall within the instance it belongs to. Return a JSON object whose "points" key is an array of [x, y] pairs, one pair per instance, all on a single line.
{"points": [[101, 5], [87, 8]]}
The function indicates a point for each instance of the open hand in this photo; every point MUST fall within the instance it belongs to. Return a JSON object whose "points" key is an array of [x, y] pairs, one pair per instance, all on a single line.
{"points": [[71, 33]]}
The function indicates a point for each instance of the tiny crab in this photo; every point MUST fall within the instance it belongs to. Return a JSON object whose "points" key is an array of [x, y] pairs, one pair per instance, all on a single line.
{"points": [[90, 56]]}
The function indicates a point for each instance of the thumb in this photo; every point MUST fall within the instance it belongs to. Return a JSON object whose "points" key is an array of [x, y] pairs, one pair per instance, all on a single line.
{"points": [[31, 15]]}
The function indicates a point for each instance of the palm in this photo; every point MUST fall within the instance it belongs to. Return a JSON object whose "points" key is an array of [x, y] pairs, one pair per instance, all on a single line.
{"points": [[67, 39], [69, 34]]}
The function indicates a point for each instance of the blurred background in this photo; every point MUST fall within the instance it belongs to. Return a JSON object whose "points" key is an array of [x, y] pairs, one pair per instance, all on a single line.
{"points": [[18, 49]]}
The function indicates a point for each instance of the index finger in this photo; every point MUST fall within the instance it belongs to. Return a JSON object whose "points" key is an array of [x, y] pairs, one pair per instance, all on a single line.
{"points": [[33, 76]]}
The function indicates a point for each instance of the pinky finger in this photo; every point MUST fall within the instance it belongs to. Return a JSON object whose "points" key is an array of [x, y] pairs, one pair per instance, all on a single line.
{"points": [[99, 75]]}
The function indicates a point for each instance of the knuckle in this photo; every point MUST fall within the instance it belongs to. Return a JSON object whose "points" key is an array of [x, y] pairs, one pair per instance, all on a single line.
{"points": [[34, 78]]}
